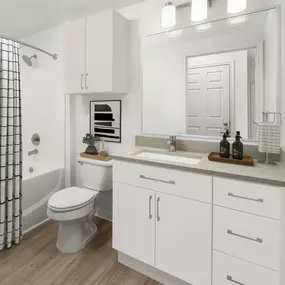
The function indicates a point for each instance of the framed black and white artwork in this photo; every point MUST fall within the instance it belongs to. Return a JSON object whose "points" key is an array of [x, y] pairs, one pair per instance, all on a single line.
{"points": [[105, 120]]}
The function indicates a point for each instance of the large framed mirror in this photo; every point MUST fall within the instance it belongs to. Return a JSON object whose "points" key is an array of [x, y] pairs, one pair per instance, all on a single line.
{"points": [[202, 80]]}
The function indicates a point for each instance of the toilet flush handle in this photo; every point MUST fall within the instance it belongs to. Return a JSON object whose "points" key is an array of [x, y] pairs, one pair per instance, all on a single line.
{"points": [[80, 162]]}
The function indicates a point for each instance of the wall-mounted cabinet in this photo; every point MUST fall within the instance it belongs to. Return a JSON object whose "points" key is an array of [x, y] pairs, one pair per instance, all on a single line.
{"points": [[96, 54]]}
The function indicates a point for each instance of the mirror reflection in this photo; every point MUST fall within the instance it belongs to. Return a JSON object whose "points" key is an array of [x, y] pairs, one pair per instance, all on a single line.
{"points": [[206, 79]]}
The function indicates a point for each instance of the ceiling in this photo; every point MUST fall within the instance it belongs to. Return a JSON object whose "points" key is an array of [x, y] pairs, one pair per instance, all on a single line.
{"points": [[20, 18]]}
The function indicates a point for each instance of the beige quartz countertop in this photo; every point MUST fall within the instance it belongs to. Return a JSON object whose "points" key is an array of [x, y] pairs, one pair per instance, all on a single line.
{"points": [[259, 173]]}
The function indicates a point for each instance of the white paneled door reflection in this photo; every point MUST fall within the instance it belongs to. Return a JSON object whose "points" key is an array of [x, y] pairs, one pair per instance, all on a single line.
{"points": [[208, 99]]}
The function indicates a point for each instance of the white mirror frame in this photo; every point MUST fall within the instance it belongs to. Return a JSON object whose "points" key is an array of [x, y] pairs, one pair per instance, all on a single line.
{"points": [[259, 49]]}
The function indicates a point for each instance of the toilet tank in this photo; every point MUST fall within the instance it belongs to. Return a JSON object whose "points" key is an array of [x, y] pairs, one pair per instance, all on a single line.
{"points": [[96, 174]]}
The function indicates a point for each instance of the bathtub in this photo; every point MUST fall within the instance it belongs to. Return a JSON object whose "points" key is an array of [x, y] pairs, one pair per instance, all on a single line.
{"points": [[37, 189]]}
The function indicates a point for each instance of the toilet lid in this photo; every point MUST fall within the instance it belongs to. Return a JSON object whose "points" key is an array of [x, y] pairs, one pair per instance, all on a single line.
{"points": [[71, 198]]}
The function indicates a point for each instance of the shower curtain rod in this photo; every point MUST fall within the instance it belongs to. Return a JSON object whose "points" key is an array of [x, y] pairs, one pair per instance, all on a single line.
{"points": [[54, 56]]}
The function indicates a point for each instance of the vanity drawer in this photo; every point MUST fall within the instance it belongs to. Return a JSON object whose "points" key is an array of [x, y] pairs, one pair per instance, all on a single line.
{"points": [[246, 236], [253, 198], [175, 182], [231, 270]]}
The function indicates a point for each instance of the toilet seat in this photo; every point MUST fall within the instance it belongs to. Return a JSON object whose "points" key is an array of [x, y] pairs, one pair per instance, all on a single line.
{"points": [[71, 199]]}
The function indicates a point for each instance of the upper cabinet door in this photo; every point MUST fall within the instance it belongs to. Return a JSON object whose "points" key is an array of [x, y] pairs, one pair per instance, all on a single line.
{"points": [[99, 52], [106, 53], [75, 57], [184, 238]]}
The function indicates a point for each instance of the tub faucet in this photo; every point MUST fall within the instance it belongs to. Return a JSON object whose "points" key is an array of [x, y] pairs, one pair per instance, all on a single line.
{"points": [[32, 152], [172, 143]]}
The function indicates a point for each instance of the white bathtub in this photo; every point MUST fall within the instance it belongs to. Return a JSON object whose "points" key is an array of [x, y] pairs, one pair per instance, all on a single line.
{"points": [[37, 189]]}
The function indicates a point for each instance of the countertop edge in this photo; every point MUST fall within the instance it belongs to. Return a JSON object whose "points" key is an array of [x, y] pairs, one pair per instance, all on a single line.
{"points": [[246, 178]]}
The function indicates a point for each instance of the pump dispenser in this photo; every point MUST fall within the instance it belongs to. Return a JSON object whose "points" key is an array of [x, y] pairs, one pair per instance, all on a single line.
{"points": [[225, 147], [238, 147]]}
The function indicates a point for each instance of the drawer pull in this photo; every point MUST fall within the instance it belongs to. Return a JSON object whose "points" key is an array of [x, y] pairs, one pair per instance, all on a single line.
{"points": [[157, 180], [149, 207], [229, 278], [245, 198], [259, 240]]}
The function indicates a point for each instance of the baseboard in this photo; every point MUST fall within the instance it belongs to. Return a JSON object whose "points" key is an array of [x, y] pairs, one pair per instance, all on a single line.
{"points": [[105, 217], [35, 226], [149, 271]]}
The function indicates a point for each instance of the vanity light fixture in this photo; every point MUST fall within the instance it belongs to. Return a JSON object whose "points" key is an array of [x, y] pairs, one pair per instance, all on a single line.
{"points": [[236, 6], [199, 10], [168, 15]]}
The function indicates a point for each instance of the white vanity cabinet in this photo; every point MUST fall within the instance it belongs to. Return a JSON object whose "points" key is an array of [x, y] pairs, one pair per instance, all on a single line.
{"points": [[96, 54], [156, 221], [183, 238], [246, 233], [133, 221], [229, 270], [200, 229]]}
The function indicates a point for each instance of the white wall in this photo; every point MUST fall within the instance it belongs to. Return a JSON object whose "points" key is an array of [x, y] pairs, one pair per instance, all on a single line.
{"points": [[270, 61], [43, 101]]}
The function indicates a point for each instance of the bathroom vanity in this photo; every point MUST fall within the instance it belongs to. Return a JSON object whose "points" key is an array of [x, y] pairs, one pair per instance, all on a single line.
{"points": [[179, 218], [202, 223]]}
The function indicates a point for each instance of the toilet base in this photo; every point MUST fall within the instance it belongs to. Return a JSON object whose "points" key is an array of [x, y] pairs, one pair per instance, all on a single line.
{"points": [[75, 235]]}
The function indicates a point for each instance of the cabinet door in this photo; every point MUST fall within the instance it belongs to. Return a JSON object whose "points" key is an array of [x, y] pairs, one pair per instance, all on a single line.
{"points": [[184, 238], [75, 56], [134, 222], [99, 52]]}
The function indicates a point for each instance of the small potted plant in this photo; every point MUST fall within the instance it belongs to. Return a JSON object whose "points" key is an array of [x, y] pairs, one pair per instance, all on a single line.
{"points": [[90, 140]]}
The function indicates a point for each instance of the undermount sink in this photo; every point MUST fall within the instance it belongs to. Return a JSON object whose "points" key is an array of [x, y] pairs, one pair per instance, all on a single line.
{"points": [[169, 158]]}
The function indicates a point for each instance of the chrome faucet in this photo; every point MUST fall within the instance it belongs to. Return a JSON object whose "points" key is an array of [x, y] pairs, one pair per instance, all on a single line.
{"points": [[172, 143], [32, 152]]}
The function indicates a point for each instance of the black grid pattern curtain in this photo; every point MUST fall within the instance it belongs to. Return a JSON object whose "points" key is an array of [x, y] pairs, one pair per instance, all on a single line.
{"points": [[11, 145]]}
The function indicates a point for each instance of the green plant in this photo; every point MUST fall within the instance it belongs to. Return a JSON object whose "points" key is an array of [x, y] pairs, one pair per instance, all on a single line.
{"points": [[90, 139]]}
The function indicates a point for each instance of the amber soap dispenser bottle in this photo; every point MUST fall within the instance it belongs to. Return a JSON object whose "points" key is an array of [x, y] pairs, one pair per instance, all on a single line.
{"points": [[238, 147]]}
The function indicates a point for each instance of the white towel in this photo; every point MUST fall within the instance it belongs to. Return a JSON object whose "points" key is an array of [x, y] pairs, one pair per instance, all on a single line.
{"points": [[269, 137]]}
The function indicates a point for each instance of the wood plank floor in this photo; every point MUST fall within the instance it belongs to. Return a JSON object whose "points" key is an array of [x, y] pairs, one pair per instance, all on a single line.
{"points": [[36, 261]]}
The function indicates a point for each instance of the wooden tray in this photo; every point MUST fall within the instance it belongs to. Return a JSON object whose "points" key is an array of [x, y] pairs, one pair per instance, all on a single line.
{"points": [[96, 157], [246, 161]]}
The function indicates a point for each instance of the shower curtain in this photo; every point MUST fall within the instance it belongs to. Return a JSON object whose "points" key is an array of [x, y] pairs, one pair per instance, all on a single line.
{"points": [[11, 145]]}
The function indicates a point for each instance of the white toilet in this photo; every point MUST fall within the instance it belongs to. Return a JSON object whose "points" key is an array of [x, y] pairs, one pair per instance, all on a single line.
{"points": [[75, 207]]}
